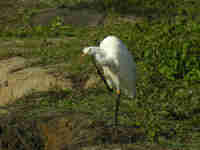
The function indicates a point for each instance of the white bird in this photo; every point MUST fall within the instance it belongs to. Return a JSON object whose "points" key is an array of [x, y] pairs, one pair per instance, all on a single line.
{"points": [[119, 67]]}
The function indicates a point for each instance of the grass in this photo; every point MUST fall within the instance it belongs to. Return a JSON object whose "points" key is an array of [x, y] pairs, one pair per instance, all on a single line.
{"points": [[165, 44]]}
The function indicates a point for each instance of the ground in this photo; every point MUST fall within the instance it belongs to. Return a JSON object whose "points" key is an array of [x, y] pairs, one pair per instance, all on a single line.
{"points": [[50, 98]]}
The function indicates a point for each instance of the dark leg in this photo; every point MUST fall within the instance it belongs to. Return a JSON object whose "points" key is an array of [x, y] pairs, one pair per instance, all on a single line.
{"points": [[117, 108], [116, 114]]}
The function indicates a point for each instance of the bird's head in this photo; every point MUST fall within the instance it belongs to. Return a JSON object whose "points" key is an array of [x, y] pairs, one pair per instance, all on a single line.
{"points": [[86, 51], [89, 50]]}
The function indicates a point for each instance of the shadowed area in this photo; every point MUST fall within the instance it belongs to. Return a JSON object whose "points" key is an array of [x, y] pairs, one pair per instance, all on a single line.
{"points": [[55, 130]]}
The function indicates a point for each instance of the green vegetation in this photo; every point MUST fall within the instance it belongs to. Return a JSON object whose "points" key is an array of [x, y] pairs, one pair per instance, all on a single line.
{"points": [[165, 41]]}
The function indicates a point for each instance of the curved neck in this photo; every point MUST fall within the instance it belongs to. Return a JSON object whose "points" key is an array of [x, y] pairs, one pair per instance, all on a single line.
{"points": [[94, 50]]}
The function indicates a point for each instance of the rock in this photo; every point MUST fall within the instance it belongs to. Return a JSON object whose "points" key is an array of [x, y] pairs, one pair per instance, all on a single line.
{"points": [[81, 16], [58, 133], [92, 82], [35, 128], [11, 65], [65, 131], [53, 130], [17, 81], [130, 19]]}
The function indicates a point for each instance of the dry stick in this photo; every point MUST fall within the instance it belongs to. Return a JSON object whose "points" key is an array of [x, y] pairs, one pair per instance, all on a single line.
{"points": [[101, 75]]}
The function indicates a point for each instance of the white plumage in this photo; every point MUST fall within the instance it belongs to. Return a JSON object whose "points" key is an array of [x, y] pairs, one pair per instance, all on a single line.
{"points": [[117, 63]]}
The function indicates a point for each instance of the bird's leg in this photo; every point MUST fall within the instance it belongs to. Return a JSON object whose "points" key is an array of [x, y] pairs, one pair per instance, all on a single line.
{"points": [[117, 108]]}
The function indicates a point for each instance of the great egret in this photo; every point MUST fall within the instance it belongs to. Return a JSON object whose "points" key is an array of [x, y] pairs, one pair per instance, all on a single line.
{"points": [[119, 67]]}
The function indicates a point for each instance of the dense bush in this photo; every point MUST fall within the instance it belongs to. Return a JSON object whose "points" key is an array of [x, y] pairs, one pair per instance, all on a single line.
{"points": [[173, 49]]}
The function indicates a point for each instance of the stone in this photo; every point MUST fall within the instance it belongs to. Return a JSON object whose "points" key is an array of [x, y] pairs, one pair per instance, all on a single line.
{"points": [[17, 81], [69, 16], [92, 82]]}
